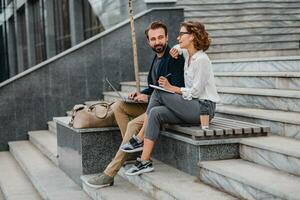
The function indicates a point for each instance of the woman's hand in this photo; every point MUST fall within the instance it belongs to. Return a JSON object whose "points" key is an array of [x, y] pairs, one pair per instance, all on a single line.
{"points": [[163, 82], [174, 53]]}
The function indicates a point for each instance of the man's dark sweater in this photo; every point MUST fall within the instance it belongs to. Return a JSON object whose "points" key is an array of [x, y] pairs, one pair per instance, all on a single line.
{"points": [[166, 65]]}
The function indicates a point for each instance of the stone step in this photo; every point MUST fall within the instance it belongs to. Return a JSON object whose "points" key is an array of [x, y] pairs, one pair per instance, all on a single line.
{"points": [[252, 24], [250, 181], [239, 12], [245, 39], [255, 32], [233, 2], [276, 152], [129, 86], [253, 54], [271, 64], [46, 143], [48, 179], [285, 100], [14, 183], [282, 123], [121, 189], [255, 79], [253, 47], [245, 18], [233, 6], [52, 127], [267, 80], [169, 183]]}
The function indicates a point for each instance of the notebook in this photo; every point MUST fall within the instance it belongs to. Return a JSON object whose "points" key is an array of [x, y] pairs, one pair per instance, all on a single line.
{"points": [[161, 88]]}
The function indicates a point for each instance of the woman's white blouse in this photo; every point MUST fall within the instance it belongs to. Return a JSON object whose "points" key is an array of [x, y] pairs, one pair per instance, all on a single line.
{"points": [[198, 77]]}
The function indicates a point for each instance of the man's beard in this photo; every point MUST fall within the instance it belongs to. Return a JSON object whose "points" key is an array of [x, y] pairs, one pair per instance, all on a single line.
{"points": [[159, 48]]}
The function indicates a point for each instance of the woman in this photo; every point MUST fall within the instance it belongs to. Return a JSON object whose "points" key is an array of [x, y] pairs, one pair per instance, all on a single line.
{"points": [[198, 97]]}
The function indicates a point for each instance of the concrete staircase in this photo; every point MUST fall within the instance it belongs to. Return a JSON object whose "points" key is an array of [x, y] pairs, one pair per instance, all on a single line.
{"points": [[30, 171], [264, 91], [244, 29]]}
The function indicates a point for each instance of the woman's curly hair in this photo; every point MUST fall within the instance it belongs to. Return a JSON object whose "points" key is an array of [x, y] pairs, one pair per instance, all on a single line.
{"points": [[202, 39]]}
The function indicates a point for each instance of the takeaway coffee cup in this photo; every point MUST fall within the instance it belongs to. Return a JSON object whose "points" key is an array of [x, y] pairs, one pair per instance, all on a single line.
{"points": [[204, 121]]}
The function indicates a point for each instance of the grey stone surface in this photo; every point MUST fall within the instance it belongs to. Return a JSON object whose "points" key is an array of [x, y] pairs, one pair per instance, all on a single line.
{"points": [[285, 100], [245, 18], [169, 183], [267, 82], [198, 5], [263, 182], [86, 152], [271, 159], [242, 12], [13, 181], [253, 54], [281, 123], [281, 46], [76, 75], [50, 181], [52, 127], [46, 143], [270, 24], [262, 38], [238, 189], [282, 64], [121, 189], [273, 151], [185, 156]]}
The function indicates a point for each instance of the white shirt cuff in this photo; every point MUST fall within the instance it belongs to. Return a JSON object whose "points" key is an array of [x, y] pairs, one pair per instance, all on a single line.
{"points": [[186, 93]]}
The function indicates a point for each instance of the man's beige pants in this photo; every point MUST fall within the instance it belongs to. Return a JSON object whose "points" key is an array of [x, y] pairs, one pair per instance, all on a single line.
{"points": [[123, 112]]}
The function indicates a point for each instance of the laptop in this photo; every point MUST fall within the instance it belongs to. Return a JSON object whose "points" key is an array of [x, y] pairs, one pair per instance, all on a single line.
{"points": [[125, 99]]}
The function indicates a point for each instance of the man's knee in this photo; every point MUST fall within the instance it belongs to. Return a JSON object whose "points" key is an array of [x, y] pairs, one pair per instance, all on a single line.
{"points": [[118, 106], [134, 126]]}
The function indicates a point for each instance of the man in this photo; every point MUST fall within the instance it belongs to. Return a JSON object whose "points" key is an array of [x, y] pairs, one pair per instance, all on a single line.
{"points": [[162, 65]]}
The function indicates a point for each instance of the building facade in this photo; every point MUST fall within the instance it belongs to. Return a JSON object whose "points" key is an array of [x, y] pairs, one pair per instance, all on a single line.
{"points": [[32, 31]]}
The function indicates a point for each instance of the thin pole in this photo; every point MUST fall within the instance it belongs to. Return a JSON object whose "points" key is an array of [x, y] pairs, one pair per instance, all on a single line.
{"points": [[134, 47]]}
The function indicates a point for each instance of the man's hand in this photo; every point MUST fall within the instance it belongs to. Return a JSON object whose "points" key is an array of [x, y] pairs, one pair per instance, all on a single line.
{"points": [[174, 53], [163, 82], [143, 98], [132, 95]]}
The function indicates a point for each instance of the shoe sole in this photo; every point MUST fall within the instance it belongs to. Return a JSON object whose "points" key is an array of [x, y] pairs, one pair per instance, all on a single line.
{"points": [[99, 186], [140, 172], [133, 150]]}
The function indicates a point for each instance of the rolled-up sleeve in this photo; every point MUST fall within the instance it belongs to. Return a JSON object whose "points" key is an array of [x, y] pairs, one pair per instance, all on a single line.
{"points": [[181, 51]]}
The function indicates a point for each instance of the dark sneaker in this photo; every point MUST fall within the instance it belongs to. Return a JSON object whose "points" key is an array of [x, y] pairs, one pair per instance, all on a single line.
{"points": [[141, 166], [134, 145], [100, 181]]}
